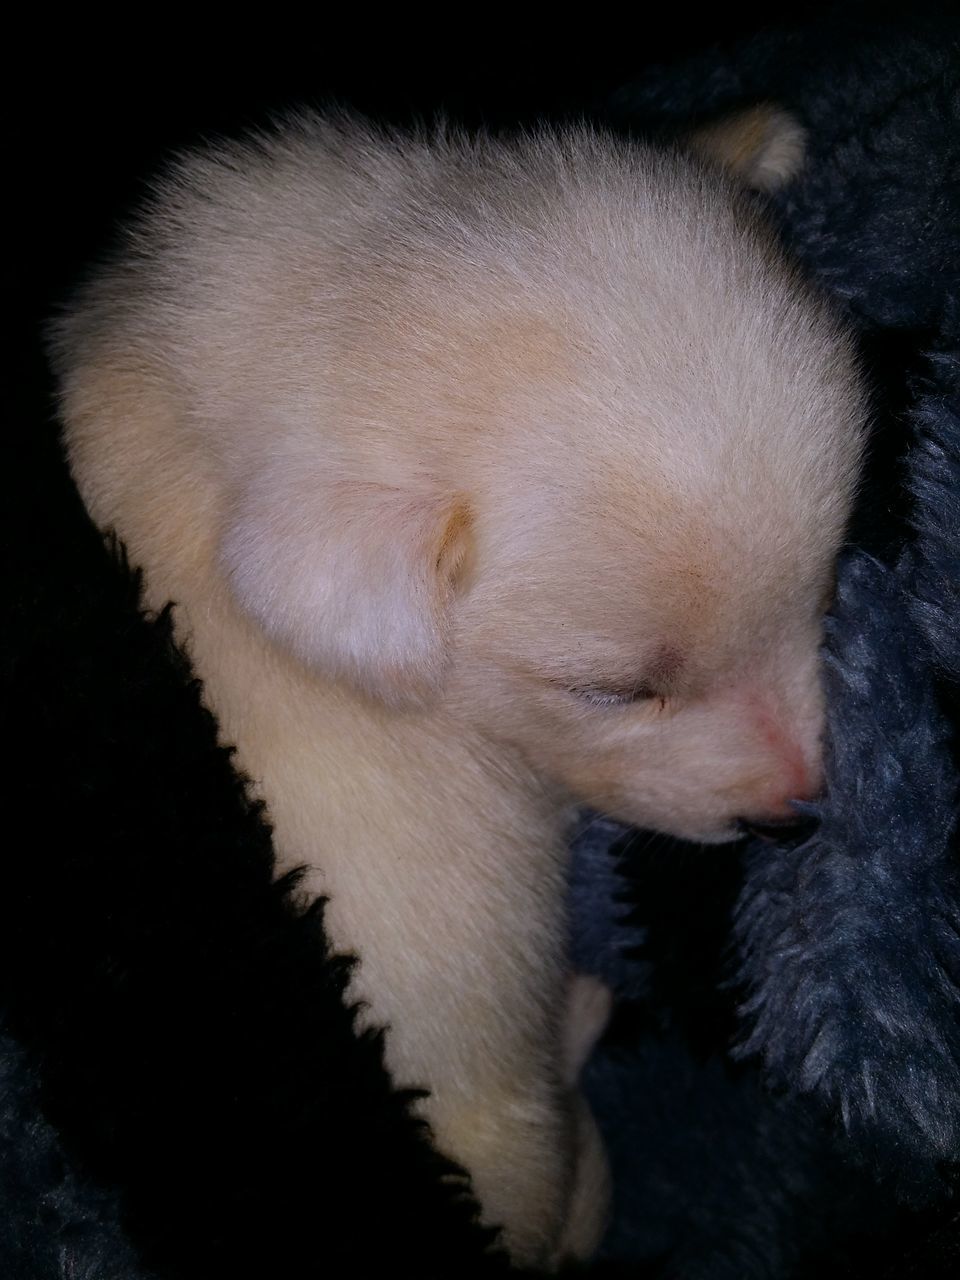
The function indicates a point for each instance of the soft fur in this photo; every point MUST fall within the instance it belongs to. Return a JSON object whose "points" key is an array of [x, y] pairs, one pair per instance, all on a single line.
{"points": [[486, 477]]}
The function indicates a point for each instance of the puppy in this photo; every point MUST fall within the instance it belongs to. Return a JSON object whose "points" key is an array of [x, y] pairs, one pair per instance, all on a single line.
{"points": [[488, 477]]}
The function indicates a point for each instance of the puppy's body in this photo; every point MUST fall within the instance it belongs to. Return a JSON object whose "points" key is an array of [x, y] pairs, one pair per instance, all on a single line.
{"points": [[486, 478]]}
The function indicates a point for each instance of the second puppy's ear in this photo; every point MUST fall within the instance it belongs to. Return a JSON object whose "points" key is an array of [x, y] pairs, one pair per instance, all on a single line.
{"points": [[354, 578], [764, 146]]}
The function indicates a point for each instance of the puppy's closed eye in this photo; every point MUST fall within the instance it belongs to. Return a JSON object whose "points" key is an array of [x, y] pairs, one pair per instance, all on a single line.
{"points": [[603, 696]]}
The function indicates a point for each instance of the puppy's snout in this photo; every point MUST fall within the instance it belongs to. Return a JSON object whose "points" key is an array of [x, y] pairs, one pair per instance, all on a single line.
{"points": [[789, 737]]}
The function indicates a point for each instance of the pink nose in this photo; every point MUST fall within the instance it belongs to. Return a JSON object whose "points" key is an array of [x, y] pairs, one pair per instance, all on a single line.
{"points": [[795, 776]]}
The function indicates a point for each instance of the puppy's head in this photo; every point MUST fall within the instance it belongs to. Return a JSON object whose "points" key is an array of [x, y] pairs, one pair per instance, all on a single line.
{"points": [[594, 511], [650, 633]]}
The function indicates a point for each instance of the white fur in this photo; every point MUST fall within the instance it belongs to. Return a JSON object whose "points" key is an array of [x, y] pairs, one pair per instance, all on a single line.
{"points": [[427, 438]]}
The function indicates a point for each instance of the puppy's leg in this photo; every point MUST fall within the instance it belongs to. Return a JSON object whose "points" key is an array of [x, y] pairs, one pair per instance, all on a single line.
{"points": [[462, 961], [588, 1213], [445, 874], [445, 877], [589, 1002]]}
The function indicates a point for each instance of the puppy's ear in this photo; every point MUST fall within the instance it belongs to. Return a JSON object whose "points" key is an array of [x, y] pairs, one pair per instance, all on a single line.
{"points": [[763, 146], [352, 577]]}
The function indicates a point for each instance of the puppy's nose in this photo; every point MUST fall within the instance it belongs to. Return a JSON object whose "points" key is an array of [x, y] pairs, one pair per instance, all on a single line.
{"points": [[796, 828]]}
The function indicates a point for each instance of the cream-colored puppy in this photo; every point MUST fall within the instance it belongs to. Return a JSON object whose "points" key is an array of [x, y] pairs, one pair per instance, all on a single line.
{"points": [[487, 477]]}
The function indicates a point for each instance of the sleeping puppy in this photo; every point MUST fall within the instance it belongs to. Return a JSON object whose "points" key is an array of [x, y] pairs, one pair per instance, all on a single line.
{"points": [[488, 478]]}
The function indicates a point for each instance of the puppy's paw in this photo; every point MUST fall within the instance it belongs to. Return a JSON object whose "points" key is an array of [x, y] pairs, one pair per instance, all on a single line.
{"points": [[588, 1213], [589, 1003], [764, 146]]}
